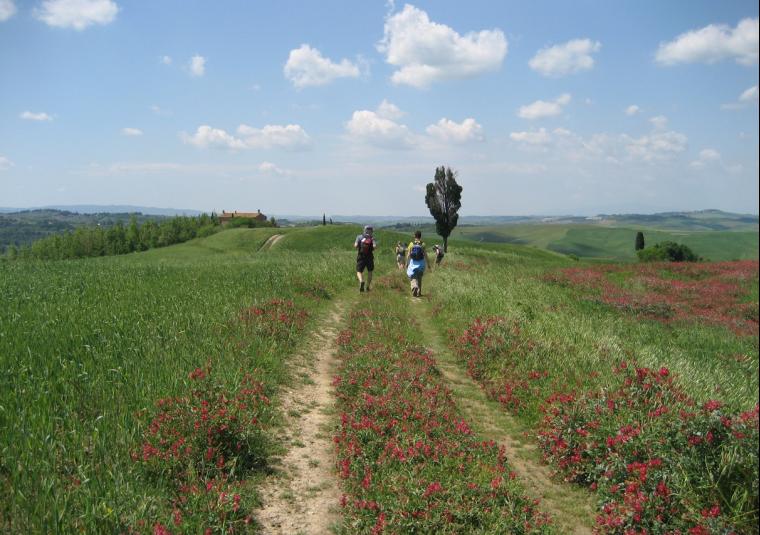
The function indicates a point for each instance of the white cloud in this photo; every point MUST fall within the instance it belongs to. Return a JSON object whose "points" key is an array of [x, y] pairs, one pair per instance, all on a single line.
{"points": [[32, 116], [268, 168], [534, 137], [631, 110], [750, 95], [306, 66], [747, 97], [427, 52], [541, 108], [568, 58], [197, 66], [457, 133], [706, 156], [372, 128], [166, 60], [7, 9], [5, 163], [389, 111], [660, 122], [131, 132], [713, 43], [657, 146], [77, 14], [291, 137], [158, 110]]}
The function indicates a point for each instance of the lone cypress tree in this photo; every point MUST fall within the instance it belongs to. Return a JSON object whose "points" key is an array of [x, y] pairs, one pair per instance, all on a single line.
{"points": [[639, 241], [443, 198], [324, 220]]}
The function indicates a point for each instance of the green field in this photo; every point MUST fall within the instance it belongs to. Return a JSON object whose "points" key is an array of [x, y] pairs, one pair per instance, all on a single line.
{"points": [[594, 241], [89, 347]]}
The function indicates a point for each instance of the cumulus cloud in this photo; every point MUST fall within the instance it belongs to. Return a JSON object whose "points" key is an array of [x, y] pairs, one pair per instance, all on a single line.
{"points": [[747, 97], [5, 163], [166, 60], [712, 44], [290, 137], [389, 111], [306, 66], [568, 58], [657, 146], [133, 132], [706, 156], [660, 122], [378, 129], [197, 66], [750, 95], [456, 133], [425, 52], [268, 168], [541, 108], [35, 116], [631, 110], [77, 14], [533, 138], [7, 9]]}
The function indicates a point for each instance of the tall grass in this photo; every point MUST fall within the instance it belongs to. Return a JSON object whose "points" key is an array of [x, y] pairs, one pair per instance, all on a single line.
{"points": [[85, 345]]}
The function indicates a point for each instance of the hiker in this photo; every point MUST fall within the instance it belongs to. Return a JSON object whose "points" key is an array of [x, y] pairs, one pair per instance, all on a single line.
{"points": [[438, 254], [416, 261], [400, 251], [365, 259]]}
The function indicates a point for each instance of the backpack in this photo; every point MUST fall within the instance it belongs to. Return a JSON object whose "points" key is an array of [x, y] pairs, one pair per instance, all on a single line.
{"points": [[366, 245], [417, 252]]}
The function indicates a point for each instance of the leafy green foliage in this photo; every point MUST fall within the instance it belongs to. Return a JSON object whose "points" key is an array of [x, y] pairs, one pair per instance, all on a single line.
{"points": [[639, 244], [668, 251], [443, 198]]}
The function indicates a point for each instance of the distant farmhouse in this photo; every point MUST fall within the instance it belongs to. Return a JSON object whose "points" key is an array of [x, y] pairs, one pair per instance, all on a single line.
{"points": [[226, 217]]}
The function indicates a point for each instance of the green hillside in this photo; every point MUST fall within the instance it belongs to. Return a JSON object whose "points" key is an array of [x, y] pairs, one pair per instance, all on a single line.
{"points": [[131, 383], [593, 241]]}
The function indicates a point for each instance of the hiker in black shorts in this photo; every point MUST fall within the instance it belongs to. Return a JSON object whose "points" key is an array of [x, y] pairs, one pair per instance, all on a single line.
{"points": [[400, 251], [365, 259]]}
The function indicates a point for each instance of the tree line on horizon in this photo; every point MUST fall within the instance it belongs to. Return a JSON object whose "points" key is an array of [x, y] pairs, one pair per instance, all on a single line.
{"points": [[118, 239]]}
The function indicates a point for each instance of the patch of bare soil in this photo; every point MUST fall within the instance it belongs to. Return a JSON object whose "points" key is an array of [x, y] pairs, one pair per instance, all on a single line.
{"points": [[302, 496], [272, 240]]}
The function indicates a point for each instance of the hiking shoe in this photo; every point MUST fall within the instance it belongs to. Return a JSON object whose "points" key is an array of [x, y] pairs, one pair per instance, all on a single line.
{"points": [[361, 286], [415, 292]]}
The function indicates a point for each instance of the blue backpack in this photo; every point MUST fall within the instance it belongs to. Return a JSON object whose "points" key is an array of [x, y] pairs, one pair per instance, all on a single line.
{"points": [[417, 252]]}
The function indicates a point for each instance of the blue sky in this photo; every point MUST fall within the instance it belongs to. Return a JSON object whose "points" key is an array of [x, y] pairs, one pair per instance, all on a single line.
{"points": [[347, 107]]}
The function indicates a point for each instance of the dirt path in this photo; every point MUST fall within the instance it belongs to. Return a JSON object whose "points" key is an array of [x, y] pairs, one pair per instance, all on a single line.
{"points": [[302, 497], [271, 241], [572, 508]]}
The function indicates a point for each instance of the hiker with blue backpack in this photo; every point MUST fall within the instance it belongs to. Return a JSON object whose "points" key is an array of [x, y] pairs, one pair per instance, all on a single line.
{"points": [[365, 245], [416, 262]]}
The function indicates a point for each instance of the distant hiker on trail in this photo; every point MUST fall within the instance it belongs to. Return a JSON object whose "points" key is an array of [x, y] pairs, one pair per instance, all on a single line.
{"points": [[416, 261], [365, 259], [438, 254], [400, 251]]}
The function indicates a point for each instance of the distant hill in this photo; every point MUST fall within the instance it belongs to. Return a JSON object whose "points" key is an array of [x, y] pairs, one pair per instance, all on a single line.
{"points": [[24, 227], [109, 209]]}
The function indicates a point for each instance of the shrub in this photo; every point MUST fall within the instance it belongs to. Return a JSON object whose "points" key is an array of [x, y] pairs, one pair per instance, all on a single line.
{"points": [[667, 251]]}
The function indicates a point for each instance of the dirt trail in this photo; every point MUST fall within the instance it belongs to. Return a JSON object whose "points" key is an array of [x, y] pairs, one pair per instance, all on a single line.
{"points": [[271, 241], [302, 497], [572, 508]]}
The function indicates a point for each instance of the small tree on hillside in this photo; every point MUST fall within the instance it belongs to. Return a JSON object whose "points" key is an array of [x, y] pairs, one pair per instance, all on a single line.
{"points": [[639, 241], [443, 198], [324, 220]]}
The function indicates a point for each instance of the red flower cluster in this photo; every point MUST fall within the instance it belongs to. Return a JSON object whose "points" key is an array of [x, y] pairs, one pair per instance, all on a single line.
{"points": [[200, 444], [711, 291], [278, 319], [653, 458], [407, 459]]}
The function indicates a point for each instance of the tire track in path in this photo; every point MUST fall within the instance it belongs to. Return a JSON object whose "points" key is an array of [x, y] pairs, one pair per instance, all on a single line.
{"points": [[302, 496], [271, 241], [572, 508]]}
